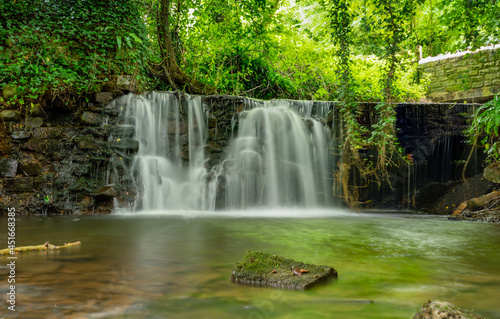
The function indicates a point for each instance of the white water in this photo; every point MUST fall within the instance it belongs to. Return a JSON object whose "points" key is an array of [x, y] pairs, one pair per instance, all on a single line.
{"points": [[279, 159]]}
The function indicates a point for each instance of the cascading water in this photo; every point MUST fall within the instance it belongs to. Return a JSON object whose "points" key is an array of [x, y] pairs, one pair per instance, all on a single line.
{"points": [[276, 160], [164, 141], [279, 158]]}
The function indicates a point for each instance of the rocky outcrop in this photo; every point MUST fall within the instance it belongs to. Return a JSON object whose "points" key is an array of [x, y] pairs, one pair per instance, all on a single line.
{"points": [[435, 309]]}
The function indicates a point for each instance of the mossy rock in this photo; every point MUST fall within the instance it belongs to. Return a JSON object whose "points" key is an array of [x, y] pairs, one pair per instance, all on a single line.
{"points": [[439, 309], [264, 269]]}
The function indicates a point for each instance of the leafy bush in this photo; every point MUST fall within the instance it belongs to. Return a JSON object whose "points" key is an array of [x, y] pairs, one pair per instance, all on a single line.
{"points": [[59, 50], [485, 126]]}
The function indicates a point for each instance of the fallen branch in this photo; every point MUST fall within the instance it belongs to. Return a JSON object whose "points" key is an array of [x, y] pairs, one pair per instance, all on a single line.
{"points": [[46, 246]]}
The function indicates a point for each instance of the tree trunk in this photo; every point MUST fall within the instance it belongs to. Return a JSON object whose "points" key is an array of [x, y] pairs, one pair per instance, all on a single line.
{"points": [[168, 70]]}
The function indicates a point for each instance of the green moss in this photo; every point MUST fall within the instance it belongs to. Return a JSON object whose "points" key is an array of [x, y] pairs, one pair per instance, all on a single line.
{"points": [[264, 269]]}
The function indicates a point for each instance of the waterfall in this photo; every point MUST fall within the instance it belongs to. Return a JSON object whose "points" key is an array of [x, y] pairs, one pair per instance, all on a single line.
{"points": [[280, 156]]}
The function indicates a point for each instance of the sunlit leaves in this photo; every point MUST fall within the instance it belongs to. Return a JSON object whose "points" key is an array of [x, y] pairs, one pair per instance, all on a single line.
{"points": [[486, 125]]}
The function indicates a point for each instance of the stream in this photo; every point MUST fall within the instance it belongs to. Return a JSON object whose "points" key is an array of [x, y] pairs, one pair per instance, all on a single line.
{"points": [[177, 264]]}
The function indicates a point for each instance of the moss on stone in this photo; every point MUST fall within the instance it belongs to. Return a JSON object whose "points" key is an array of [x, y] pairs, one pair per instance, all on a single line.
{"points": [[264, 269]]}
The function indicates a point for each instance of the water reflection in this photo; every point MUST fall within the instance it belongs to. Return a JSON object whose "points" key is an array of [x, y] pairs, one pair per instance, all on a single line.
{"points": [[179, 265]]}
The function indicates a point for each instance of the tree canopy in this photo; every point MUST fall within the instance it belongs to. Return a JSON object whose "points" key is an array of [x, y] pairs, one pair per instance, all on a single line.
{"points": [[62, 49]]}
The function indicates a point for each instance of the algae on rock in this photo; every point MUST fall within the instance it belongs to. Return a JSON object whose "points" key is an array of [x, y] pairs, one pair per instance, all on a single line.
{"points": [[264, 269]]}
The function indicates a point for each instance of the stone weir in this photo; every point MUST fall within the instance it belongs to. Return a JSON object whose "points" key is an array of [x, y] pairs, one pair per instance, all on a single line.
{"points": [[109, 154], [220, 152]]}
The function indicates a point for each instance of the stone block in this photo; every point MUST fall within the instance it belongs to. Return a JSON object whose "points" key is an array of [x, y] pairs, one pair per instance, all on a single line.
{"points": [[37, 111], [125, 83], [490, 76], [18, 185], [91, 119], [46, 146], [122, 131], [492, 173], [452, 88], [430, 64], [10, 115], [9, 91], [30, 168], [8, 167], [104, 97], [474, 72], [21, 135], [125, 144], [483, 72], [477, 84], [108, 191], [47, 132], [87, 144], [33, 122]]}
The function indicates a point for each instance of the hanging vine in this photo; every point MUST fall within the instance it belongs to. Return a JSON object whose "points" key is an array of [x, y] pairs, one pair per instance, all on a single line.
{"points": [[352, 131], [357, 169]]}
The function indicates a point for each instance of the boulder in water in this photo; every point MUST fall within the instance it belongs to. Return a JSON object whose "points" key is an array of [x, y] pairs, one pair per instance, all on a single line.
{"points": [[435, 309], [264, 269]]}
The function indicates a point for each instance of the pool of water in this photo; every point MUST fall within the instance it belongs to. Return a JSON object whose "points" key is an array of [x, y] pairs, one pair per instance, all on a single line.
{"points": [[178, 265]]}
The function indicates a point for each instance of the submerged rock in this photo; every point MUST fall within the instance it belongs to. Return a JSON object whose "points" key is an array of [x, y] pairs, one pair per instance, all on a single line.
{"points": [[435, 309], [264, 269]]}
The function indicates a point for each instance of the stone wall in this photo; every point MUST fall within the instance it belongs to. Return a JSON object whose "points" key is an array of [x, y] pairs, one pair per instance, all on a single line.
{"points": [[57, 161], [471, 77]]}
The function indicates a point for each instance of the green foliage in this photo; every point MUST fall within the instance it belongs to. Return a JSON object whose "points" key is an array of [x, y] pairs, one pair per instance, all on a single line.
{"points": [[485, 126], [62, 49]]}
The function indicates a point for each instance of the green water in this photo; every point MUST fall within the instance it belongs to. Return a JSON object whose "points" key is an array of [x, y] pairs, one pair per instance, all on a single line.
{"points": [[168, 266]]}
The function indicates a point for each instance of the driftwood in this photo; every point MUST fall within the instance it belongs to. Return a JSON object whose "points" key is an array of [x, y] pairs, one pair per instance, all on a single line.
{"points": [[478, 202], [46, 246]]}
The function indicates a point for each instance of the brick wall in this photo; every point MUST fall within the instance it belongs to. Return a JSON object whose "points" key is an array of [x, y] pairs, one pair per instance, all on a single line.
{"points": [[472, 77]]}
